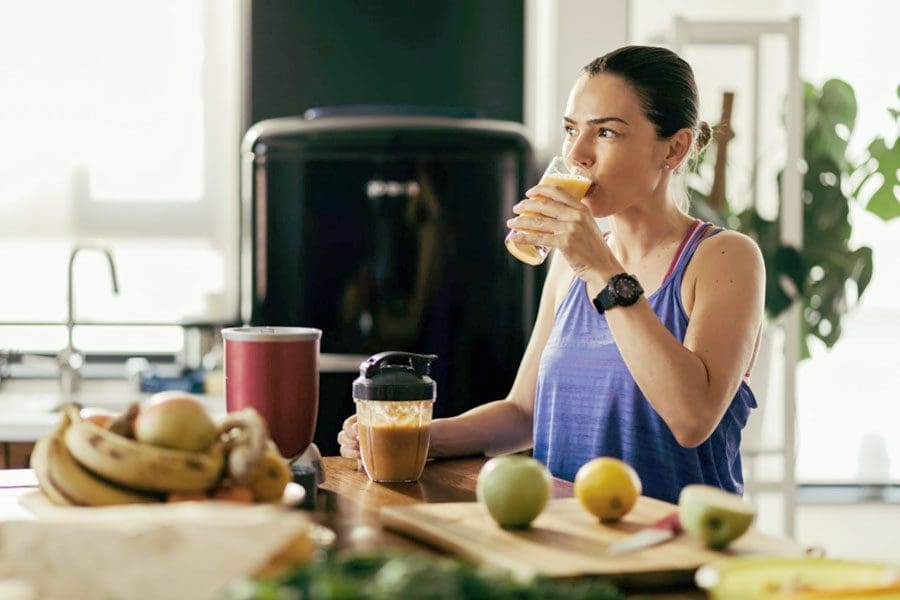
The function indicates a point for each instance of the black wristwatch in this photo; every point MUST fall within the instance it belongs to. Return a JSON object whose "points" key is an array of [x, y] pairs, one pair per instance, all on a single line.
{"points": [[622, 290]]}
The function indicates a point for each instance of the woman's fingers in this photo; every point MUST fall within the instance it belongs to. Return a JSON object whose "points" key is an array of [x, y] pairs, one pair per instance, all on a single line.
{"points": [[555, 193], [348, 438], [536, 223], [555, 209], [534, 239], [349, 423], [349, 449]]}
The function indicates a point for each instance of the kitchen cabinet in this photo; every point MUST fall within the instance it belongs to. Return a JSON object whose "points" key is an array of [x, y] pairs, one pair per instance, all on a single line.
{"points": [[16, 455]]}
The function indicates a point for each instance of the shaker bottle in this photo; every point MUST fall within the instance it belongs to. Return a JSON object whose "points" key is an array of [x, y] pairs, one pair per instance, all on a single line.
{"points": [[394, 397]]}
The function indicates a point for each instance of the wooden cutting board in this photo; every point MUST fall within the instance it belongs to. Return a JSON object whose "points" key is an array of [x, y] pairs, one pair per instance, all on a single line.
{"points": [[566, 541]]}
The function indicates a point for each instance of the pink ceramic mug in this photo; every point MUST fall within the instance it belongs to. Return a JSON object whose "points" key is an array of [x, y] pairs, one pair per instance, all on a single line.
{"points": [[276, 371]]}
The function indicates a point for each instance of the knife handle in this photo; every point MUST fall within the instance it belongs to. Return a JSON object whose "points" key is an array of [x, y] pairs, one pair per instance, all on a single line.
{"points": [[670, 522]]}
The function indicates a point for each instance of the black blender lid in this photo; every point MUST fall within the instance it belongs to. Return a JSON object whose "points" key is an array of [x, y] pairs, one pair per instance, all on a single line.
{"points": [[395, 376]]}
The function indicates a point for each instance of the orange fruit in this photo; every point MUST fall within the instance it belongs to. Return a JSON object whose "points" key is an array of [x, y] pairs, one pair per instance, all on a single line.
{"points": [[186, 497], [607, 488], [232, 492], [97, 416]]}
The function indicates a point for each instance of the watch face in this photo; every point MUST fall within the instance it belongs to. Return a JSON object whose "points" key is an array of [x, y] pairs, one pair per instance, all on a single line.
{"points": [[627, 288]]}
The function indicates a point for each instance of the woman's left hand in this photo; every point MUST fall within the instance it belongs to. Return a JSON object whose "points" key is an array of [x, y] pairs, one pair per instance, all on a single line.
{"points": [[557, 220]]}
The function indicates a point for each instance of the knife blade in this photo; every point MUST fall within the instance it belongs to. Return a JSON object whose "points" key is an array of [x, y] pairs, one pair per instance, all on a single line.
{"points": [[661, 531]]}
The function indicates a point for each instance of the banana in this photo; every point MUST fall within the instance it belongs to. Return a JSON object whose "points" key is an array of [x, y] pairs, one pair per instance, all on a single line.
{"points": [[140, 466], [83, 488], [66, 482], [40, 462]]}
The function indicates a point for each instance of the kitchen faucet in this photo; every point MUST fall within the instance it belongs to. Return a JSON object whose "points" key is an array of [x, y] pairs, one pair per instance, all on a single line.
{"points": [[70, 360]]}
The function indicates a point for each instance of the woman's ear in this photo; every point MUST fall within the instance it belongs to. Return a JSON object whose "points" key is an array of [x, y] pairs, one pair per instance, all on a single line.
{"points": [[679, 147]]}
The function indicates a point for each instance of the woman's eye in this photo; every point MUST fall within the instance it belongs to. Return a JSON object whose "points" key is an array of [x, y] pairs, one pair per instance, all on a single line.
{"points": [[604, 132], [569, 130]]}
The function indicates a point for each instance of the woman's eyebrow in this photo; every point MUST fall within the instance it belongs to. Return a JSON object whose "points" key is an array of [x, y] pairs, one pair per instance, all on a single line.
{"points": [[599, 120]]}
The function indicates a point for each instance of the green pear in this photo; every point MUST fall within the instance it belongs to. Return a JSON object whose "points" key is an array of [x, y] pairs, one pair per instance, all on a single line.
{"points": [[514, 489], [714, 516]]}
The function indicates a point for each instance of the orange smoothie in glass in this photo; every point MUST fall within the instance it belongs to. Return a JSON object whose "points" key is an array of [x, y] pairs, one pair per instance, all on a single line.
{"points": [[558, 174]]}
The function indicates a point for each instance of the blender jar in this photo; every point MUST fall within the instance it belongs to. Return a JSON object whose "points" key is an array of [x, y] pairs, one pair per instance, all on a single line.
{"points": [[394, 397]]}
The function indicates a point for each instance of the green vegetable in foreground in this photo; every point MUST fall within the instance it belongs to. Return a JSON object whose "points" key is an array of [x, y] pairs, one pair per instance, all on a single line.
{"points": [[388, 575]]}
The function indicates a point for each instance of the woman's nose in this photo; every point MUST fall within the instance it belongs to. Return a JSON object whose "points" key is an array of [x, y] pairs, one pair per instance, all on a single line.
{"points": [[581, 152]]}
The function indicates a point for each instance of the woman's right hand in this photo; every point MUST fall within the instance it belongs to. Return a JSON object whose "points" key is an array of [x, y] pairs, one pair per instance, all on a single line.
{"points": [[348, 438]]}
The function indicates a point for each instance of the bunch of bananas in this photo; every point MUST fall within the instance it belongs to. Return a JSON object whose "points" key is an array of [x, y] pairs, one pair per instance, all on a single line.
{"points": [[83, 463]]}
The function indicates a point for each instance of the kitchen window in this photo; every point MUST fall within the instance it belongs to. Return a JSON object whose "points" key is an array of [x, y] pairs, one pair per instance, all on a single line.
{"points": [[122, 127]]}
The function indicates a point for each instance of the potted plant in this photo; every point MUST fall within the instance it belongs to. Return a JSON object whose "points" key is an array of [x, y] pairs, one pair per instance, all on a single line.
{"points": [[822, 272]]}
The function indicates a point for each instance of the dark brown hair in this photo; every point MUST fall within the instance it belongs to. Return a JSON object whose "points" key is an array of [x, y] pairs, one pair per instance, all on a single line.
{"points": [[665, 84]]}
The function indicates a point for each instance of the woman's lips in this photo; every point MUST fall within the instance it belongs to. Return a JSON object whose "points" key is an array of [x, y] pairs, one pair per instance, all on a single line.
{"points": [[591, 189]]}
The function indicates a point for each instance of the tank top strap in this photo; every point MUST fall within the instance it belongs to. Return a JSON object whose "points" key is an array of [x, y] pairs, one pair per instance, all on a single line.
{"points": [[684, 241], [702, 231]]}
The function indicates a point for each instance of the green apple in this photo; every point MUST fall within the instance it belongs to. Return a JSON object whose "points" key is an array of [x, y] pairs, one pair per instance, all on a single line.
{"points": [[514, 489], [714, 516]]}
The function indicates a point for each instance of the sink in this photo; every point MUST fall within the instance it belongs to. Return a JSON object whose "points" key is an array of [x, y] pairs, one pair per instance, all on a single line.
{"points": [[29, 408], [43, 395]]}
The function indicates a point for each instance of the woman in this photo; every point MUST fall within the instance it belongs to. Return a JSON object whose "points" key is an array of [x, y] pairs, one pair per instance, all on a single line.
{"points": [[643, 338]]}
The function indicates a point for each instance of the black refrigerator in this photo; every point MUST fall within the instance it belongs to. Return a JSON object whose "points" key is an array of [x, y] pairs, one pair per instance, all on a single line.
{"points": [[384, 228]]}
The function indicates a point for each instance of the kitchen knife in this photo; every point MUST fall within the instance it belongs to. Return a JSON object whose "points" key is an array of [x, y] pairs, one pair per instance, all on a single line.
{"points": [[663, 530]]}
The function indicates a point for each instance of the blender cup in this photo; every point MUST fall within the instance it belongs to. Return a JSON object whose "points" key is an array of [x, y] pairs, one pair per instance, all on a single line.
{"points": [[394, 397]]}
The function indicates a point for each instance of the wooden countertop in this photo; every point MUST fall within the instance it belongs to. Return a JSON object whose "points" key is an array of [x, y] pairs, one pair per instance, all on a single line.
{"points": [[349, 504]]}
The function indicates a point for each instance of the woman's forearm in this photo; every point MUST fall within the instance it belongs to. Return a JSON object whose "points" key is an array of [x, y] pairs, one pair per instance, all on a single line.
{"points": [[691, 383], [672, 378], [494, 428]]}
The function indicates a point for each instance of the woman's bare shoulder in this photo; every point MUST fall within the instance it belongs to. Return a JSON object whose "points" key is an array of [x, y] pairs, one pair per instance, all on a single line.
{"points": [[727, 257], [727, 250]]}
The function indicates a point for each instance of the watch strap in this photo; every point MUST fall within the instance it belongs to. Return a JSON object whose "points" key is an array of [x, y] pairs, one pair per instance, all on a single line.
{"points": [[604, 300]]}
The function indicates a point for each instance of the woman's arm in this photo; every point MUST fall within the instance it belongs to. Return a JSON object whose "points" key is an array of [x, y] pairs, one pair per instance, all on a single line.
{"points": [[506, 425], [691, 384]]}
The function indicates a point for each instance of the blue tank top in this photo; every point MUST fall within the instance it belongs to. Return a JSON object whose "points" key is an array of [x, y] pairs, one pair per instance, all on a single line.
{"points": [[587, 404]]}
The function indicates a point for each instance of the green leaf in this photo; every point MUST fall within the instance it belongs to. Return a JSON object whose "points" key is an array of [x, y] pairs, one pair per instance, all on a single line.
{"points": [[827, 226], [862, 272], [836, 104], [826, 210], [893, 111], [839, 102], [884, 202], [810, 107]]}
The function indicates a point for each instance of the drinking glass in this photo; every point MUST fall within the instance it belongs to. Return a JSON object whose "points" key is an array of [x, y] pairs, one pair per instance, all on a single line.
{"points": [[575, 180]]}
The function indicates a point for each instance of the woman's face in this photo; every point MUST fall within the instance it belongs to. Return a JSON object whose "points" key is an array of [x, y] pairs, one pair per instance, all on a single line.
{"points": [[607, 133]]}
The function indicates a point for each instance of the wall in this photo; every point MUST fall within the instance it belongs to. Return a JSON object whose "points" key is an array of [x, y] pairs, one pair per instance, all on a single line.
{"points": [[465, 53], [562, 36]]}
